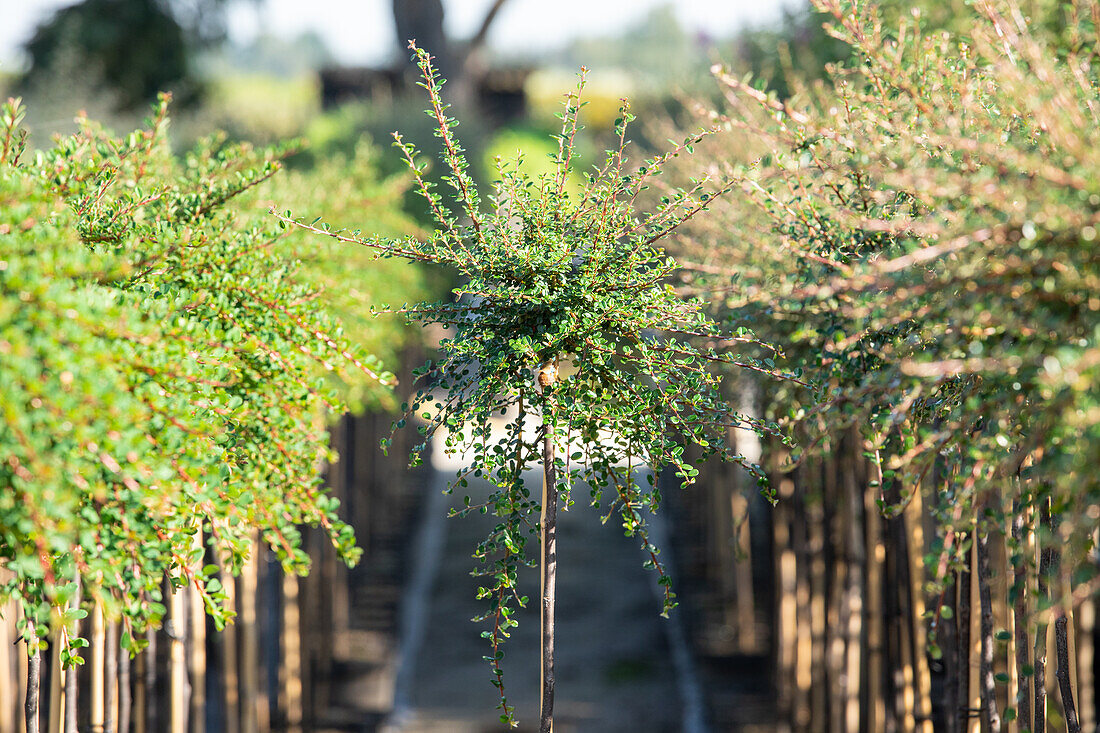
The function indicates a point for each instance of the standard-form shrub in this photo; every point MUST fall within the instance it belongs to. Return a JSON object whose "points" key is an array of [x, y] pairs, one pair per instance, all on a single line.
{"points": [[565, 318]]}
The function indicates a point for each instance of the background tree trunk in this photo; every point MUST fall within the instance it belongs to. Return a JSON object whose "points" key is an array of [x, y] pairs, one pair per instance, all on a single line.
{"points": [[1065, 684], [34, 673], [990, 716], [1022, 640]]}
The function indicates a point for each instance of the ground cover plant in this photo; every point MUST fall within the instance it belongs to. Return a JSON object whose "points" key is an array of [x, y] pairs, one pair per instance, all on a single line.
{"points": [[564, 318], [162, 381]]}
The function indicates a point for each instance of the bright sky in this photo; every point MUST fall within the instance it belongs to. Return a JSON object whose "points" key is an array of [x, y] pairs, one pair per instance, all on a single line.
{"points": [[361, 31]]}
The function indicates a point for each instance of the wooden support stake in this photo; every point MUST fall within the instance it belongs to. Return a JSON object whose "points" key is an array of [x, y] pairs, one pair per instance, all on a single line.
{"points": [[196, 657], [914, 531], [291, 663], [249, 662], [57, 685], [178, 698], [110, 671], [98, 647], [125, 699]]}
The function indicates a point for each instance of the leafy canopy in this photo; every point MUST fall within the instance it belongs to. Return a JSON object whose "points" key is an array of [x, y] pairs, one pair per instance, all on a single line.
{"points": [[162, 377], [574, 283]]}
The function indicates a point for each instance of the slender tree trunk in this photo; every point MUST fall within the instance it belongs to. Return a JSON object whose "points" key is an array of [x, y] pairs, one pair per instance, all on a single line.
{"points": [[34, 674], [990, 716], [72, 687], [949, 642], [963, 615], [548, 523], [146, 708], [1020, 617], [1065, 684], [1040, 656]]}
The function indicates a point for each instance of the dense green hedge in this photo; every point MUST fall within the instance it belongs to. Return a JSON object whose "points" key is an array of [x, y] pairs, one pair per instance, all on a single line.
{"points": [[163, 374]]}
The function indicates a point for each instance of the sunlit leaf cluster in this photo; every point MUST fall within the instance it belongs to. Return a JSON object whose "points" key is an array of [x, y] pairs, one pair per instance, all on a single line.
{"points": [[920, 232], [162, 378]]}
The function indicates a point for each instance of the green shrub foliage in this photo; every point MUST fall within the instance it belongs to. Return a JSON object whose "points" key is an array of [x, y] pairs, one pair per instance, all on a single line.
{"points": [[568, 282], [921, 234], [162, 377]]}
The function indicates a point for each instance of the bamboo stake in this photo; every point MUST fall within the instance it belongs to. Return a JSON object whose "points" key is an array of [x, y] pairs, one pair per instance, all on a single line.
{"points": [[124, 691], [990, 715], [249, 662], [803, 671], [857, 558], [177, 663], [1086, 681], [98, 646], [9, 683], [747, 639], [836, 602], [548, 524], [34, 672], [818, 606], [290, 669], [196, 647], [1065, 684], [786, 606], [230, 665], [1020, 533], [914, 531], [110, 669], [57, 680], [904, 675], [876, 632]]}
